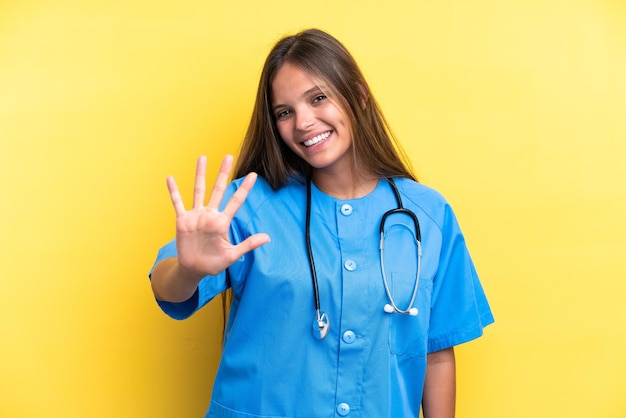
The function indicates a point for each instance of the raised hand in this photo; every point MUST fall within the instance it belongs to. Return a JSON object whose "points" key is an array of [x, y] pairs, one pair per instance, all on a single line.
{"points": [[202, 239]]}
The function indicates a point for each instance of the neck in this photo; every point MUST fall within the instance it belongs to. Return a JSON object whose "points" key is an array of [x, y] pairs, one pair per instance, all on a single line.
{"points": [[345, 187]]}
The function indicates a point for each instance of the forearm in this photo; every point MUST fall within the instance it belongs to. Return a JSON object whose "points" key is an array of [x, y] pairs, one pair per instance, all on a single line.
{"points": [[440, 385], [171, 283]]}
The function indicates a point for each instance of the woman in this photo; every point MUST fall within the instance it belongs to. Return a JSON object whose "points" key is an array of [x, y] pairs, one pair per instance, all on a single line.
{"points": [[373, 336]]}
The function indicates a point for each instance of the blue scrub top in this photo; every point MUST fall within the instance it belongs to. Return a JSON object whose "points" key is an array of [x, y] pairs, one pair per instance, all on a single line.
{"points": [[372, 363]]}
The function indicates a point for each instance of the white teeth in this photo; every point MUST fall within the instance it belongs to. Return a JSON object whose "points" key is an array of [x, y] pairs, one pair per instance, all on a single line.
{"points": [[316, 139]]}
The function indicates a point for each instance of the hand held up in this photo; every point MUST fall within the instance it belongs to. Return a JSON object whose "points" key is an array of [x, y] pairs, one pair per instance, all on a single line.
{"points": [[202, 239]]}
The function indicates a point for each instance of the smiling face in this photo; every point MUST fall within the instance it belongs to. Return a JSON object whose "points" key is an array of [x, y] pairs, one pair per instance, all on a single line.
{"points": [[311, 124]]}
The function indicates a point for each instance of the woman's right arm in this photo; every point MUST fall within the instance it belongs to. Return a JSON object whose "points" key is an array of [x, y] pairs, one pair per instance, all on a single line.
{"points": [[202, 240], [170, 284]]}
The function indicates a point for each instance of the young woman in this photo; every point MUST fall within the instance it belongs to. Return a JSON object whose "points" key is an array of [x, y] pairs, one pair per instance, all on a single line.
{"points": [[354, 306]]}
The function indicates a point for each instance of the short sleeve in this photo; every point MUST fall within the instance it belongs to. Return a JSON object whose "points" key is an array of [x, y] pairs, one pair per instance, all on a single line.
{"points": [[459, 307], [208, 288], [211, 286]]}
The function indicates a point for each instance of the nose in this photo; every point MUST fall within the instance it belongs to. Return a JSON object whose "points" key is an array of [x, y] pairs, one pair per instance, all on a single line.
{"points": [[305, 118]]}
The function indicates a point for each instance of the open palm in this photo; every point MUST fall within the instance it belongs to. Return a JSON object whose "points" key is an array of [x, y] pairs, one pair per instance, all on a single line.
{"points": [[202, 239]]}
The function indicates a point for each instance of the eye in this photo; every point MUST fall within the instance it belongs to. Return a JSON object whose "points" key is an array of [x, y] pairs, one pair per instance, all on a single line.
{"points": [[319, 98], [282, 114]]}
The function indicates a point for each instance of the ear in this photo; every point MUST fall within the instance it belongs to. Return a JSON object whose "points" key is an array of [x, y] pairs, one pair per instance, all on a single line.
{"points": [[364, 93]]}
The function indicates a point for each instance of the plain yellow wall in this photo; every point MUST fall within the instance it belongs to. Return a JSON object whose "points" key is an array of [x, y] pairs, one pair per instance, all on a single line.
{"points": [[516, 111]]}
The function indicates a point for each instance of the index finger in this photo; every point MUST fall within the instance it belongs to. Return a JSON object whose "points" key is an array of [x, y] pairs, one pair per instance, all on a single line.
{"points": [[240, 195]]}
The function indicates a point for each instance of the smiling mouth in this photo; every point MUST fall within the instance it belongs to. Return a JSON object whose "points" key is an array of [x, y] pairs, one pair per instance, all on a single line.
{"points": [[316, 139]]}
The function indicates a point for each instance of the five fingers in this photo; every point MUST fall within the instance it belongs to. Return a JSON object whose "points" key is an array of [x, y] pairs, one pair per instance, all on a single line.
{"points": [[215, 200], [219, 189]]}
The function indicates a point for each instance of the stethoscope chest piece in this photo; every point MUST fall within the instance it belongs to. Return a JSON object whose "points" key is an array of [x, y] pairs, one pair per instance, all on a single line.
{"points": [[321, 325]]}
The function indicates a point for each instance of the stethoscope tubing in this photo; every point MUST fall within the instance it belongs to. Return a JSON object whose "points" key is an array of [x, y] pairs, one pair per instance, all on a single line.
{"points": [[321, 322], [391, 307]]}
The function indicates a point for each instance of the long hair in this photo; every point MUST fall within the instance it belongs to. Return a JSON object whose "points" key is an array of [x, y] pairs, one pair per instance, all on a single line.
{"points": [[326, 59]]}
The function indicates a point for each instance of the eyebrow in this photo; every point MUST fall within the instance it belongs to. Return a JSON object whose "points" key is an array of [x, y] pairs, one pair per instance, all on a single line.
{"points": [[312, 90]]}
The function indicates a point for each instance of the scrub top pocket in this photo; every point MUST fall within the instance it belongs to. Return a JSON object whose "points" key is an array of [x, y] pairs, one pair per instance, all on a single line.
{"points": [[219, 411], [408, 335]]}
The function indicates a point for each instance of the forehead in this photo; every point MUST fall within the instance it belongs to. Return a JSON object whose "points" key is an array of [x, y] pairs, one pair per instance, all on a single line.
{"points": [[292, 82]]}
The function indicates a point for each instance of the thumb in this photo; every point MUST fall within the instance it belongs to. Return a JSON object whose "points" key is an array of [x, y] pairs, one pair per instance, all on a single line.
{"points": [[251, 243]]}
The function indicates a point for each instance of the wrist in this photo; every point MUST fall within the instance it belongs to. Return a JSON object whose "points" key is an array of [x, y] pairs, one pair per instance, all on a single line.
{"points": [[187, 275]]}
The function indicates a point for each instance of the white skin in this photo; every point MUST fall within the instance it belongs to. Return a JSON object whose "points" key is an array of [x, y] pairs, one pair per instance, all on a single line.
{"points": [[202, 239], [316, 129]]}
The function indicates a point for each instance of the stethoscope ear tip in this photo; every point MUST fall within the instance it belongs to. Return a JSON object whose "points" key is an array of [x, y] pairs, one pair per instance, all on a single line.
{"points": [[390, 309]]}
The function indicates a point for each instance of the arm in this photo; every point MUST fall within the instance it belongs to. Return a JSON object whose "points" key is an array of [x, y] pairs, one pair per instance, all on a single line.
{"points": [[440, 385], [171, 283], [202, 241]]}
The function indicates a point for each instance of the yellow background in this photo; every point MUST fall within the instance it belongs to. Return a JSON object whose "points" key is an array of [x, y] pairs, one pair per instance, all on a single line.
{"points": [[516, 111]]}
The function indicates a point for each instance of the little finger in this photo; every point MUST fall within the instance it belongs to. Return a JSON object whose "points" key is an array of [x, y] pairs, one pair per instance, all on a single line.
{"points": [[177, 199]]}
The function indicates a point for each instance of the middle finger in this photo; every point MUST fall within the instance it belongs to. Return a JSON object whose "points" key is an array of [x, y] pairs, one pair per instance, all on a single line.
{"points": [[220, 183]]}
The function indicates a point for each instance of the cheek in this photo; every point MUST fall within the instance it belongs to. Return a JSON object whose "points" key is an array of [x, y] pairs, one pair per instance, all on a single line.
{"points": [[333, 113], [285, 133], [282, 130]]}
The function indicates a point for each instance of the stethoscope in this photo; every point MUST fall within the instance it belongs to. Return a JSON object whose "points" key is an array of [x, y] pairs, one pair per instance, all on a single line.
{"points": [[321, 322]]}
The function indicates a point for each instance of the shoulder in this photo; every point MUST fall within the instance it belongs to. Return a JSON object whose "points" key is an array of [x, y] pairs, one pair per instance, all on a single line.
{"points": [[419, 193], [418, 196], [262, 196]]}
